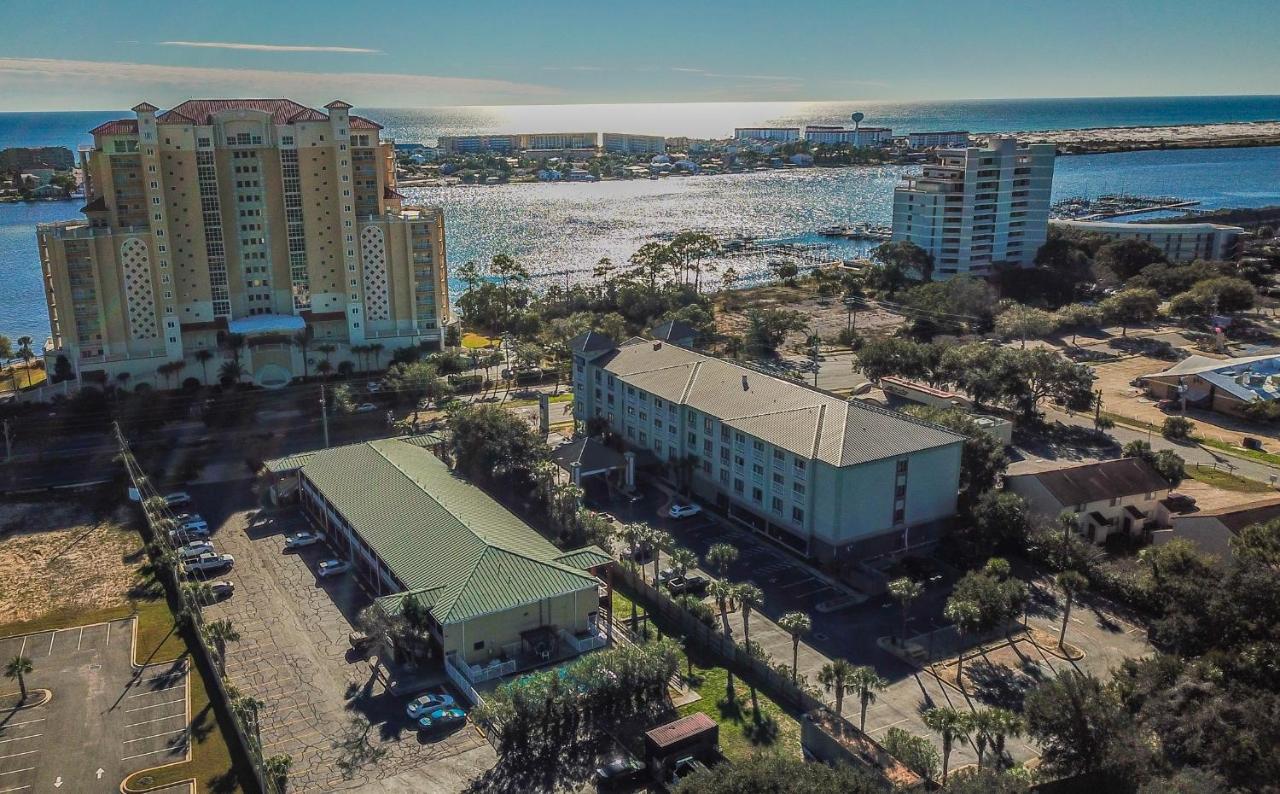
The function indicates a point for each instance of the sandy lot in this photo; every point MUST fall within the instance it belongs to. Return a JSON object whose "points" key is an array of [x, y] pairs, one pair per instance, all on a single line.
{"points": [[1172, 133], [827, 316], [54, 557]]}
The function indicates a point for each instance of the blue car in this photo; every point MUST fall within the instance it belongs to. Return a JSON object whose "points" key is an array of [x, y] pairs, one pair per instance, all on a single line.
{"points": [[426, 703], [439, 719]]}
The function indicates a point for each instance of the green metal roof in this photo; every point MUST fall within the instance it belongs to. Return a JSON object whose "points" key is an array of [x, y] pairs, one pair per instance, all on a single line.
{"points": [[440, 534], [287, 463], [585, 557]]}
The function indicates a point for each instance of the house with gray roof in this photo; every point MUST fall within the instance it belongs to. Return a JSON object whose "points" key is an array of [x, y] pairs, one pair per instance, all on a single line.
{"points": [[824, 476], [1211, 531], [497, 591], [1125, 495], [1225, 385]]}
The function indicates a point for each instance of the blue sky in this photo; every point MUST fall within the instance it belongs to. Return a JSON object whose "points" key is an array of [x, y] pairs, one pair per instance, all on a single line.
{"points": [[393, 54]]}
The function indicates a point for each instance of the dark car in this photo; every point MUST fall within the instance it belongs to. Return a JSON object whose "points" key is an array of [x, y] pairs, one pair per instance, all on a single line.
{"points": [[1180, 502], [617, 771], [694, 584]]}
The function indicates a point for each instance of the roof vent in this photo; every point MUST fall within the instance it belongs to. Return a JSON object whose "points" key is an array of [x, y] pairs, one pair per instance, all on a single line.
{"points": [[657, 345], [745, 387]]}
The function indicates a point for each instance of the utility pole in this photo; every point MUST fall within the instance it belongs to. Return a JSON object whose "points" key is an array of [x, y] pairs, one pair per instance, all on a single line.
{"points": [[1097, 411], [324, 417]]}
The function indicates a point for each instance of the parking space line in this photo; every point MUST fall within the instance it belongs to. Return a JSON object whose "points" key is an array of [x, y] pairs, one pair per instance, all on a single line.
{"points": [[155, 736], [19, 755], [80, 639], [157, 719], [52, 634], [18, 788], [175, 748], [20, 738], [16, 771], [155, 705], [28, 722], [108, 642], [797, 582], [157, 691]]}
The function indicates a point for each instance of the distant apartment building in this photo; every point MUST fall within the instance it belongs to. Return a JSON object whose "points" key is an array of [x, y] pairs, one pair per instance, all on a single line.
{"points": [[975, 207], [861, 137], [253, 219], [24, 159], [775, 134], [626, 143], [476, 144], [1180, 242], [826, 477], [550, 144], [951, 139]]}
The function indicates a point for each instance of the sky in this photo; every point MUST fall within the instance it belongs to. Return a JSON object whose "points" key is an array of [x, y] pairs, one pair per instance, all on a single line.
{"points": [[99, 55]]}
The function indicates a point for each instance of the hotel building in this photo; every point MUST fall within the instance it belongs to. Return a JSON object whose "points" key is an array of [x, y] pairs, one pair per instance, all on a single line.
{"points": [[776, 134], [826, 477], [260, 218], [1180, 242], [626, 143], [931, 140], [860, 137], [973, 208]]}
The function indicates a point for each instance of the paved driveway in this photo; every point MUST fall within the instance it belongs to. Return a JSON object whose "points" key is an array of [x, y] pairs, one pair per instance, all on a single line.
{"points": [[106, 719], [294, 656]]}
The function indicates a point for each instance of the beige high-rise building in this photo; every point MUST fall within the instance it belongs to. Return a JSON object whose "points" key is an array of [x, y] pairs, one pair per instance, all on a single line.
{"points": [[260, 218]]}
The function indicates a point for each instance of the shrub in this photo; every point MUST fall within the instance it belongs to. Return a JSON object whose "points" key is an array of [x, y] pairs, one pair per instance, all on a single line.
{"points": [[917, 752], [1176, 428]]}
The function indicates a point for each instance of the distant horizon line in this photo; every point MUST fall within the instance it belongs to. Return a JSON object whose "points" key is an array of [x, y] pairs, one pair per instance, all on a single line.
{"points": [[725, 102]]}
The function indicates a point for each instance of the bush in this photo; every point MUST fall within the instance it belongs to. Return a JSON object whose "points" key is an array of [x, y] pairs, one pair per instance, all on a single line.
{"points": [[1176, 428], [917, 752], [700, 610]]}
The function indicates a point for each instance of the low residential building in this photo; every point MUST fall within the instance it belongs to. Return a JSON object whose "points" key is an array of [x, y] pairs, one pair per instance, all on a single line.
{"points": [[627, 143], [975, 207], [823, 476], [861, 137], [1211, 531], [475, 144], [776, 134], [1180, 242], [951, 139], [1228, 386], [501, 597], [1125, 496]]}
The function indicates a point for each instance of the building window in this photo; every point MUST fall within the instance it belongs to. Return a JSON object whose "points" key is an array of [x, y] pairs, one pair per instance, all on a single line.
{"points": [[902, 467], [798, 488], [757, 445], [738, 485], [479, 646], [693, 439], [797, 515], [757, 495], [777, 478], [776, 505]]}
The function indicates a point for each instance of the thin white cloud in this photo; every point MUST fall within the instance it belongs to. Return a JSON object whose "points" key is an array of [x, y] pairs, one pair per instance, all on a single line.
{"points": [[234, 45], [574, 68], [772, 78], [77, 84]]}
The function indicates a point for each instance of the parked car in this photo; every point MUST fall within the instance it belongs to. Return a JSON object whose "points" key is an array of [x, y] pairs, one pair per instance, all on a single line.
{"points": [[207, 563], [427, 702], [365, 408], [684, 510], [666, 575], [333, 568], [182, 536], [222, 589], [1180, 502], [189, 551], [194, 524], [177, 498], [373, 386], [694, 584], [618, 771], [442, 719], [302, 539]]}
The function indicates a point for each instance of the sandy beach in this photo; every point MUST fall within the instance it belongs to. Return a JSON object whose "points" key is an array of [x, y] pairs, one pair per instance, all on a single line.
{"points": [[1180, 136]]}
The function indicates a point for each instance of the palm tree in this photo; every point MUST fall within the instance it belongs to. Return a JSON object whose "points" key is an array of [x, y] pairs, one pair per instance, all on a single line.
{"points": [[834, 676], [203, 356], [720, 557], [326, 348], [246, 707], [659, 540], [324, 368], [867, 683], [231, 370], [277, 767], [722, 591], [966, 616], [1070, 583], [197, 594], [123, 377], [178, 366], [904, 591], [360, 352], [950, 725], [164, 370], [220, 632], [749, 597], [376, 349], [303, 340], [797, 624], [235, 343], [19, 667], [24, 352], [1000, 724], [682, 560]]}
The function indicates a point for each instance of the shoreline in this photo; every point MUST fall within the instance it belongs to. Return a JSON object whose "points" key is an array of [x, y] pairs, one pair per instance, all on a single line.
{"points": [[1112, 140]]}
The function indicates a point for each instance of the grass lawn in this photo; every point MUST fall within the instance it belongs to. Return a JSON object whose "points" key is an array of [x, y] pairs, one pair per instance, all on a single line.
{"points": [[15, 378], [740, 737], [473, 341], [1226, 480], [562, 397]]}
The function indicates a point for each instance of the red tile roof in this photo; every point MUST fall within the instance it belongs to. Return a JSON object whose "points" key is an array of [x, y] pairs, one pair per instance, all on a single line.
{"points": [[199, 111], [362, 123], [681, 729], [117, 127]]}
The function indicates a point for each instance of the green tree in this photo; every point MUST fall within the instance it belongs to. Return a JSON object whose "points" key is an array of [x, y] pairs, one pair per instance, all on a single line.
{"points": [[1078, 316], [917, 752], [950, 725], [797, 624], [1070, 583], [1176, 428], [1127, 258], [866, 683], [905, 592], [277, 768], [219, 633], [1076, 719], [774, 772], [1166, 462], [767, 328], [25, 353], [203, 356], [19, 667], [1130, 307], [906, 257], [835, 676], [1020, 322], [721, 557], [231, 371]]}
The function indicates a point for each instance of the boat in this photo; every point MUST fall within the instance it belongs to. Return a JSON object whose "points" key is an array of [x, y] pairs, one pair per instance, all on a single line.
{"points": [[834, 231]]}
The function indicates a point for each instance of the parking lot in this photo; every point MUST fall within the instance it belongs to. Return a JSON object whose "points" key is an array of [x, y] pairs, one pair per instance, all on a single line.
{"points": [[294, 655], [105, 719]]}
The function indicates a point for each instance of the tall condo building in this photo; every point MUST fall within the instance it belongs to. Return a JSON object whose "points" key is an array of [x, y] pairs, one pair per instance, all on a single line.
{"points": [[260, 231], [974, 208]]}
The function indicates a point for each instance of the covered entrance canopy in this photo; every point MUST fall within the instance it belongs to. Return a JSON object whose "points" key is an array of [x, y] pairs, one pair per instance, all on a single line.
{"points": [[587, 456]]}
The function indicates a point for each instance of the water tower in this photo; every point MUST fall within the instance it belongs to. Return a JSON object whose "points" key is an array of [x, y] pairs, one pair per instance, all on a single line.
{"points": [[857, 117]]}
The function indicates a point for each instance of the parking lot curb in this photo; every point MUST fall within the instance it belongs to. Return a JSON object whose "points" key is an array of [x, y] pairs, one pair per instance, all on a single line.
{"points": [[28, 704]]}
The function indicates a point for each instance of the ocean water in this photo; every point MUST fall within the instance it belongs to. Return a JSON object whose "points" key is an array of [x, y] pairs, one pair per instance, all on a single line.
{"points": [[561, 230]]}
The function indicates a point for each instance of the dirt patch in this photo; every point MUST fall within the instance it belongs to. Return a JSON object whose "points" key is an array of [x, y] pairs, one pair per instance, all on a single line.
{"points": [[827, 316], [56, 557], [1004, 674]]}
